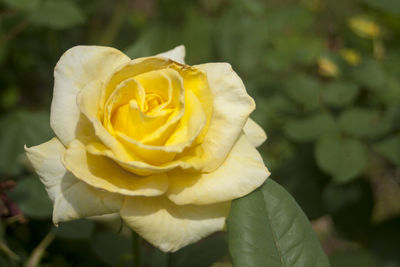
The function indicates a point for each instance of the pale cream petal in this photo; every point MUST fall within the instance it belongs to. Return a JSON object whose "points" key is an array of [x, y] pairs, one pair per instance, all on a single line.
{"points": [[177, 54], [89, 101], [103, 173], [231, 108], [75, 69], [72, 198], [169, 226], [255, 133], [134, 166], [241, 173]]}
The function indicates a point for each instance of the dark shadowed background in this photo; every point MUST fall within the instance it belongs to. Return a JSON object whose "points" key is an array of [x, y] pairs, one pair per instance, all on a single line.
{"points": [[325, 75]]}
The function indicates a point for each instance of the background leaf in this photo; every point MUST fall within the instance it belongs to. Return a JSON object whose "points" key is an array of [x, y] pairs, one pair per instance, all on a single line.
{"points": [[390, 148], [58, 14], [391, 6], [340, 93], [343, 158], [364, 122], [25, 5], [18, 129], [304, 90], [267, 228], [31, 197], [310, 128]]}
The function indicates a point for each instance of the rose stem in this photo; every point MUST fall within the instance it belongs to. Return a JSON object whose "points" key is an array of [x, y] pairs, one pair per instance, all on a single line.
{"points": [[136, 249]]}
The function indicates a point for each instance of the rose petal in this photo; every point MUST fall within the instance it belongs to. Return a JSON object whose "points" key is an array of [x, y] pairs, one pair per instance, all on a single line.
{"points": [[88, 100], [72, 198], [77, 67], [195, 80], [254, 133], [103, 173], [133, 68], [151, 128], [177, 54], [231, 108], [241, 173], [134, 166], [169, 226], [185, 133]]}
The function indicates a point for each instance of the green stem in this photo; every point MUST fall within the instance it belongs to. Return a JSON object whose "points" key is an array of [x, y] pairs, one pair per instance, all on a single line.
{"points": [[136, 249], [37, 254], [169, 260], [6, 250]]}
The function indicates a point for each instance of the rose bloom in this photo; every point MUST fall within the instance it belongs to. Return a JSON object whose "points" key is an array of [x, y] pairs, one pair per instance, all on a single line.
{"points": [[165, 145]]}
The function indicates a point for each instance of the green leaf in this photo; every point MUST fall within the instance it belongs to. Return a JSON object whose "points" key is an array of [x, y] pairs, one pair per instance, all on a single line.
{"points": [[58, 15], [371, 75], [20, 128], [340, 94], [268, 228], [362, 122], [310, 128], [343, 158], [22, 4], [31, 197], [245, 54], [390, 148], [390, 94], [391, 6], [298, 48], [272, 110], [304, 90], [78, 229]]}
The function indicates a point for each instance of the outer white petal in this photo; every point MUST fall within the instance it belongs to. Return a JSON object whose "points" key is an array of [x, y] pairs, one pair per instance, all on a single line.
{"points": [[76, 68], [231, 109], [72, 198], [255, 133], [177, 54], [169, 226], [241, 173]]}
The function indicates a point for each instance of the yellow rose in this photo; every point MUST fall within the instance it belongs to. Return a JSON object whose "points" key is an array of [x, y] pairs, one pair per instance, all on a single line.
{"points": [[164, 144]]}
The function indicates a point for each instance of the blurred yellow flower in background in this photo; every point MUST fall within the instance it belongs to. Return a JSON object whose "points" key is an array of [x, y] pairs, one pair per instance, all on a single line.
{"points": [[364, 27], [351, 56], [328, 68]]}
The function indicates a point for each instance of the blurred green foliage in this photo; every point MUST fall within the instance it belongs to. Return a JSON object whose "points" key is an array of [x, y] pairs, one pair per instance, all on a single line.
{"points": [[325, 75]]}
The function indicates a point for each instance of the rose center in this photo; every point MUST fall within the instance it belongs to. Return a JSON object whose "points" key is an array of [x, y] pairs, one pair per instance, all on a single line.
{"points": [[151, 102]]}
